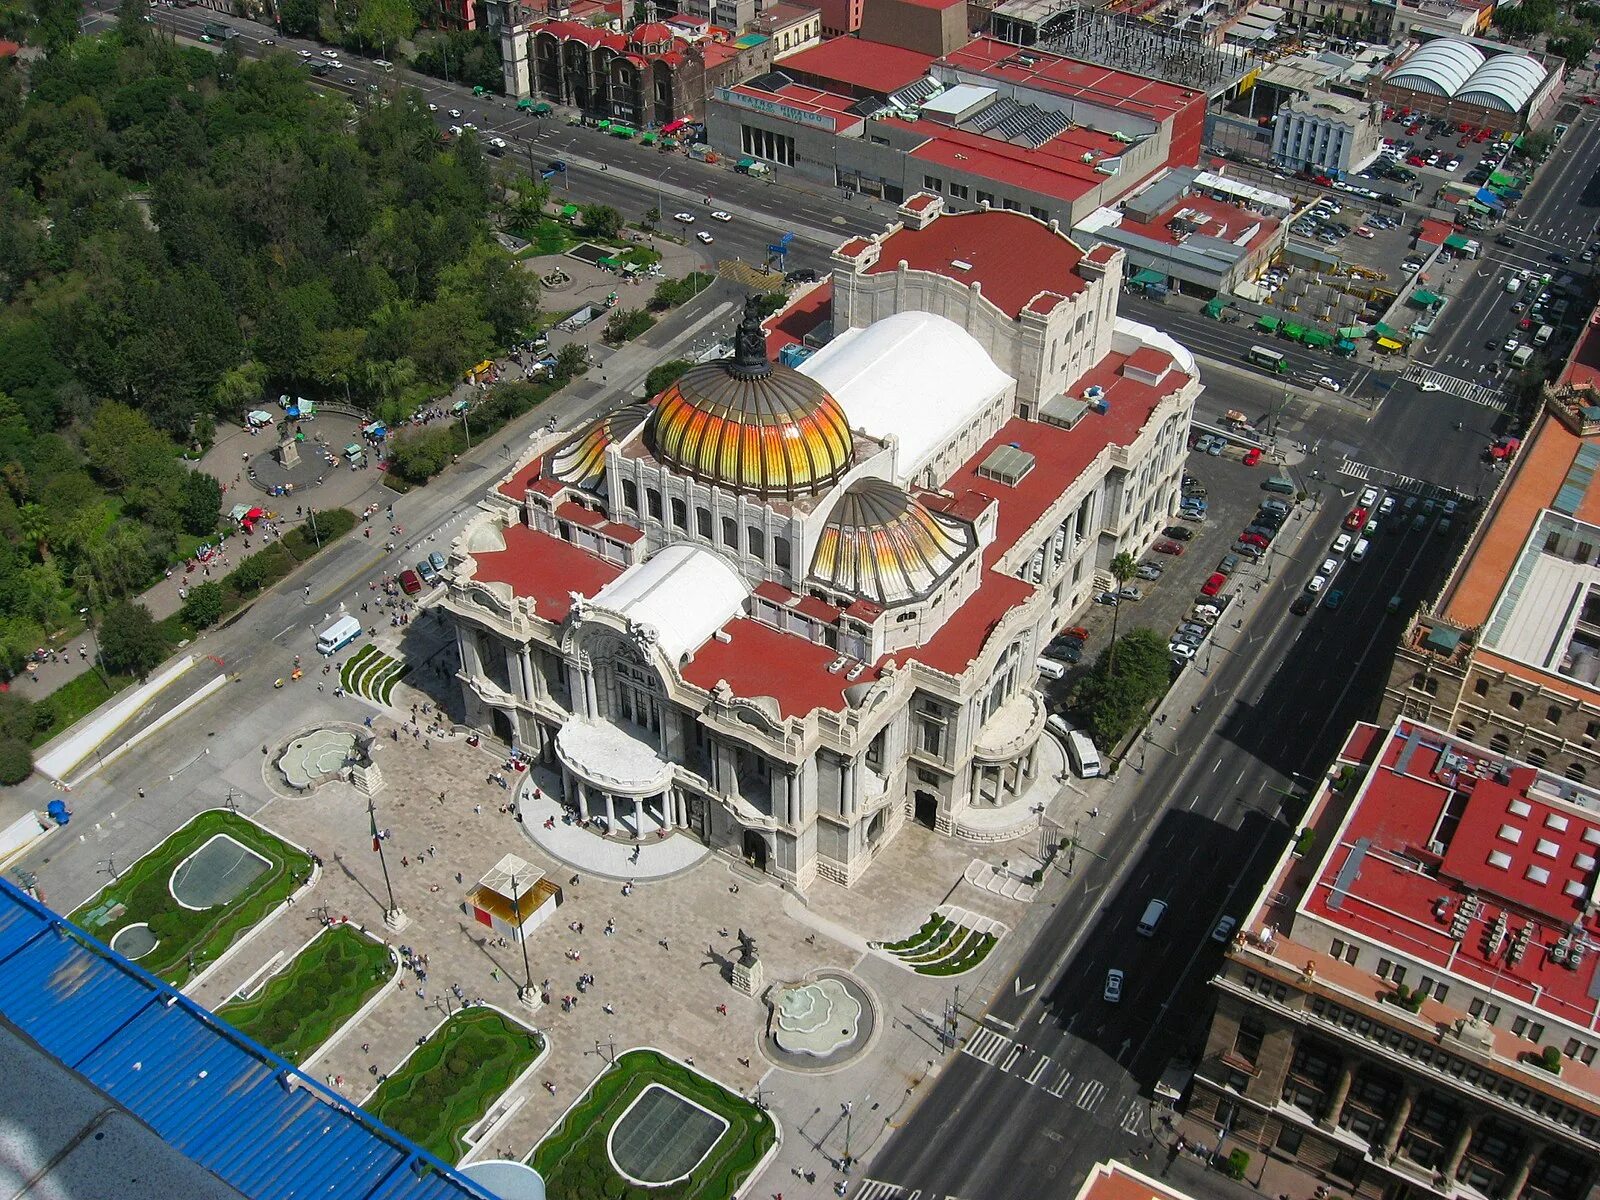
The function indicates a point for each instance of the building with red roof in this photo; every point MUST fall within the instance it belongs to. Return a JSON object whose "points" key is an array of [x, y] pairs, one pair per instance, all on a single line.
{"points": [[1410, 1005], [787, 605], [1177, 231], [981, 123], [1509, 652]]}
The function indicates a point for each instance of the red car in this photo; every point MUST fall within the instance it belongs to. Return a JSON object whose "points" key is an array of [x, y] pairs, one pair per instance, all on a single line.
{"points": [[1213, 585], [1356, 520], [1416, 160], [410, 582], [1252, 456], [1075, 631], [1254, 539], [1168, 547], [1588, 100]]}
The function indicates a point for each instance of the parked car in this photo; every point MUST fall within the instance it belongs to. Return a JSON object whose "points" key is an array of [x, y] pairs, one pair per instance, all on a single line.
{"points": [[1224, 929], [1214, 584], [1178, 532], [1130, 591], [1228, 565], [1149, 571], [425, 571], [1356, 519], [1247, 550], [1252, 456], [409, 583], [1168, 547]]}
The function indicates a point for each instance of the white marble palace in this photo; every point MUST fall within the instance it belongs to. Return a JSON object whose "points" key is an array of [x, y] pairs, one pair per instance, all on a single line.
{"points": [[786, 609]]}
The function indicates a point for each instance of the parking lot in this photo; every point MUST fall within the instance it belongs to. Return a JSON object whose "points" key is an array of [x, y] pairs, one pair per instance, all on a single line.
{"points": [[1233, 494]]}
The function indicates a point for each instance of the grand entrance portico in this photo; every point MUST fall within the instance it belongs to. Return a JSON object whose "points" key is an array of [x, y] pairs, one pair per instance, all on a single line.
{"points": [[612, 775]]}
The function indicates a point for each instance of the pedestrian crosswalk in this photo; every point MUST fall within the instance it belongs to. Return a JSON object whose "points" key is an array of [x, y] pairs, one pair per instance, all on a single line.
{"points": [[877, 1189], [1008, 1055], [1489, 397], [1410, 485]]}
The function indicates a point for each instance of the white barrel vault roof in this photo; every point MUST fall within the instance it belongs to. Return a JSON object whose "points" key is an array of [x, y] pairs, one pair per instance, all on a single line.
{"points": [[1439, 68], [685, 594], [1506, 81]]}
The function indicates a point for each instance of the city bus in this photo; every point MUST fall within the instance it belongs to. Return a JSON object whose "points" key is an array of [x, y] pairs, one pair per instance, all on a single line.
{"points": [[1270, 359]]}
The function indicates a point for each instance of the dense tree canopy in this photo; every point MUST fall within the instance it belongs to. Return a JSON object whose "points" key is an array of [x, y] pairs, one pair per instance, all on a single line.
{"points": [[184, 235]]}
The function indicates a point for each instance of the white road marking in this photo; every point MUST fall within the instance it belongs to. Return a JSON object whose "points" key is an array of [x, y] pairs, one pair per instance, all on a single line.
{"points": [[1038, 1069], [1090, 1095], [985, 1045]]}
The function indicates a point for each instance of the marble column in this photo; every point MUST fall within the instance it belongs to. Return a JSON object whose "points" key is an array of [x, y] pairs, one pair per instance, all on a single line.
{"points": [[1458, 1149], [1336, 1098], [1397, 1123], [583, 797], [1518, 1178], [611, 813]]}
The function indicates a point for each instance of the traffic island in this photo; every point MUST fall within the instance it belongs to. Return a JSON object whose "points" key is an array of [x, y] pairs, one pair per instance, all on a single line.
{"points": [[650, 1122], [196, 894]]}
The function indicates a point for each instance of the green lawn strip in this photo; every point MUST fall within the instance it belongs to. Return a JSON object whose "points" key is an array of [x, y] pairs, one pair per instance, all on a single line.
{"points": [[184, 935], [966, 961], [389, 683], [374, 681], [950, 948], [934, 947], [573, 1158], [323, 987], [363, 671], [447, 1086], [348, 670], [929, 927]]}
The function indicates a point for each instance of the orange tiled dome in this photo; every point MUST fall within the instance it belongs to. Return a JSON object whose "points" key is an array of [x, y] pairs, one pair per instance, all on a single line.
{"points": [[749, 425]]}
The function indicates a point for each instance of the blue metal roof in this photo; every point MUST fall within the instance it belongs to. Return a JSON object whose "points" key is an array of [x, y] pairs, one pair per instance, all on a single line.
{"points": [[231, 1106]]}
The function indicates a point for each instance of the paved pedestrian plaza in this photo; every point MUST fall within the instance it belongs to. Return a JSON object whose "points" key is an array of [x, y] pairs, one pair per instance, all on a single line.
{"points": [[660, 943]]}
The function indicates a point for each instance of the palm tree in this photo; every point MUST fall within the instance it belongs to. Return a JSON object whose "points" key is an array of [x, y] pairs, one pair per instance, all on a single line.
{"points": [[1123, 568]]}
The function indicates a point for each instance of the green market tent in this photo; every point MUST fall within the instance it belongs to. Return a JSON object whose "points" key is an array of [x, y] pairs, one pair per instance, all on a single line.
{"points": [[1294, 332], [1386, 331], [1456, 242], [1147, 276], [1344, 347], [543, 107], [1352, 331], [1316, 338], [1500, 179], [1214, 307], [1426, 298], [1268, 323]]}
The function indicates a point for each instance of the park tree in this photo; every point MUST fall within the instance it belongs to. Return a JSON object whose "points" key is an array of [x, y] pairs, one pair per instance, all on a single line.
{"points": [[602, 221], [1123, 568], [386, 23], [300, 18], [664, 375], [130, 639], [200, 502], [572, 360], [203, 608]]}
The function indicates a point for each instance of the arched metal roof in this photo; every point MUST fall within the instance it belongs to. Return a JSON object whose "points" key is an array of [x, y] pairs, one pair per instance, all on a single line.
{"points": [[1506, 81], [1439, 68]]}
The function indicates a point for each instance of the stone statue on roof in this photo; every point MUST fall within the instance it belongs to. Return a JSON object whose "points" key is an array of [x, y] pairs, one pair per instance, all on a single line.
{"points": [[749, 343]]}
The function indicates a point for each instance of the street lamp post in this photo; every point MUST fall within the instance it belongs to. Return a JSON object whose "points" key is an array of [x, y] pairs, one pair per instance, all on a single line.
{"points": [[526, 992], [393, 917]]}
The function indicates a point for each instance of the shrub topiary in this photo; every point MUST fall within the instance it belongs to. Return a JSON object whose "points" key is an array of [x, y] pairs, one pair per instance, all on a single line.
{"points": [[16, 760]]}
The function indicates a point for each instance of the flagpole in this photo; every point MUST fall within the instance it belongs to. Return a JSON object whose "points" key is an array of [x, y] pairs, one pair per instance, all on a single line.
{"points": [[393, 917]]}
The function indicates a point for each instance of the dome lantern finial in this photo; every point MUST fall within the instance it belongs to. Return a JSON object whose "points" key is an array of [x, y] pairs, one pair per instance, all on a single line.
{"points": [[750, 359]]}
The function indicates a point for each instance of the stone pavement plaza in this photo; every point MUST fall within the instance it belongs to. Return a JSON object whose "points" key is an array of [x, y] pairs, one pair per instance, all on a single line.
{"points": [[663, 972]]}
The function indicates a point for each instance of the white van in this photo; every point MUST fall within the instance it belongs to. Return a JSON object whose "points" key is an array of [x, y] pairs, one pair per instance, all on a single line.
{"points": [[1360, 551], [1521, 356], [1085, 758], [1544, 335], [338, 635], [1050, 668], [383, 64], [1153, 912], [1059, 723], [1513, 283]]}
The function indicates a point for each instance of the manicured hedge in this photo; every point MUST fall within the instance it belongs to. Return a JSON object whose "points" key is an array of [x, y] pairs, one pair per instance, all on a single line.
{"points": [[326, 984], [188, 939], [573, 1158]]}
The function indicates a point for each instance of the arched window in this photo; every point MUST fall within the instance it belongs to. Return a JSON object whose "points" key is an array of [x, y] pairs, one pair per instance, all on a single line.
{"points": [[1500, 743], [1577, 772]]}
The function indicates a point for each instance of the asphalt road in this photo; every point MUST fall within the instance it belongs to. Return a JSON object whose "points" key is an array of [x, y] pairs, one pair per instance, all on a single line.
{"points": [[1053, 1078]]}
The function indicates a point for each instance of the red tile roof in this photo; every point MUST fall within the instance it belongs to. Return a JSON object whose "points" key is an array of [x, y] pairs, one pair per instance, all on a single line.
{"points": [[1583, 365], [1150, 360], [1226, 221], [544, 568], [831, 106], [809, 310], [867, 66], [1403, 892], [1014, 257], [1103, 253], [760, 661], [1432, 232], [1068, 77]]}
